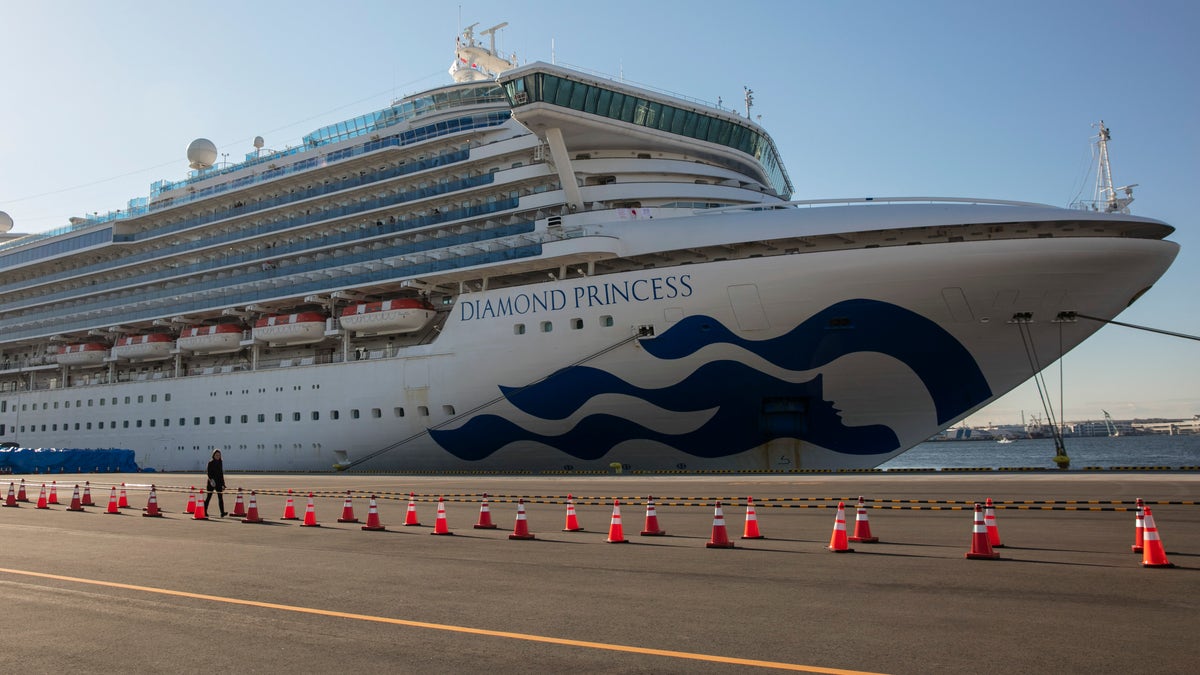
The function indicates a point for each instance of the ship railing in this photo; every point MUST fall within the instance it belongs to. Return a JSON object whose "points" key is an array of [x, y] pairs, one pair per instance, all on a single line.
{"points": [[849, 201]]}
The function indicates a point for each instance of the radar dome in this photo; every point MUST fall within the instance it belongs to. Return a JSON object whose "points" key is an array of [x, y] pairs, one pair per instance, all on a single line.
{"points": [[258, 142], [6, 222], [201, 153]]}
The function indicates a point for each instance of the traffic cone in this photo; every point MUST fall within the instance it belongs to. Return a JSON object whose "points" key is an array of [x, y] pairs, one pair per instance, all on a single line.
{"points": [[12, 497], [252, 515], [310, 514], [521, 527], [1138, 527], [862, 526], [21, 492], [485, 516], [373, 523], [199, 512], [1153, 555], [123, 499], [720, 538], [87, 494], [616, 534], [239, 506], [572, 520], [76, 505], [41, 502], [152, 505], [981, 548], [439, 527], [348, 511], [112, 502], [838, 543], [191, 505], [751, 529], [651, 529], [989, 520], [289, 509], [410, 516], [53, 492]]}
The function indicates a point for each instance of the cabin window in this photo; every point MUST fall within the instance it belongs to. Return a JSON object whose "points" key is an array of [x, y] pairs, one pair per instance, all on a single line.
{"points": [[316, 416], [151, 422], [196, 421], [376, 413], [423, 411], [354, 413], [183, 421], [606, 321], [245, 419], [212, 419], [398, 411], [295, 416], [333, 415], [576, 324], [547, 326], [261, 418], [448, 410], [519, 329], [229, 419], [278, 417]]}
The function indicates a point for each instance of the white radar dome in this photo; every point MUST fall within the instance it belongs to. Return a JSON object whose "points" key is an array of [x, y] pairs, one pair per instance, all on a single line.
{"points": [[258, 142], [6, 222], [201, 153]]}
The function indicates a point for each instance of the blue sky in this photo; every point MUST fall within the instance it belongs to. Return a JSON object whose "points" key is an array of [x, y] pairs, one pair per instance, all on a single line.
{"points": [[863, 99]]}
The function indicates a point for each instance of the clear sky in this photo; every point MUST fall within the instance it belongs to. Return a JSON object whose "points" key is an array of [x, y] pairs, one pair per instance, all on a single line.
{"points": [[964, 99]]}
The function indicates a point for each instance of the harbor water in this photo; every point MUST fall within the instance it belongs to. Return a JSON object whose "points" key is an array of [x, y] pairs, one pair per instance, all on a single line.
{"points": [[1091, 451]]}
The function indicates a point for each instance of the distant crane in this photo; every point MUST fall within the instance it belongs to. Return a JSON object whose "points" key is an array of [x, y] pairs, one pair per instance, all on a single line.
{"points": [[1112, 427]]}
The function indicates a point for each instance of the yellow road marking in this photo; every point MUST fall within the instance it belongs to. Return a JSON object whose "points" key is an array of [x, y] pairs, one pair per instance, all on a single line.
{"points": [[446, 627]]}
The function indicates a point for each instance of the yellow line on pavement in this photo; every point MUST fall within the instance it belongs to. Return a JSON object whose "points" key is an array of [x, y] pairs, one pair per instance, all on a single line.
{"points": [[445, 627]]}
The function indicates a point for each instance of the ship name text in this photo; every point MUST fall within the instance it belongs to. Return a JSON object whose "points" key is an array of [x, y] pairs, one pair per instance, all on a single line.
{"points": [[577, 297]]}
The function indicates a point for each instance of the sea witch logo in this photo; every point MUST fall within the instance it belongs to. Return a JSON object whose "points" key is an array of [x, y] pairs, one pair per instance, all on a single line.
{"points": [[577, 297]]}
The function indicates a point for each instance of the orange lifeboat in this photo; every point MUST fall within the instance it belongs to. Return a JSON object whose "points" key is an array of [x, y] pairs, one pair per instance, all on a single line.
{"points": [[290, 329], [144, 347], [216, 339], [82, 354], [402, 315]]}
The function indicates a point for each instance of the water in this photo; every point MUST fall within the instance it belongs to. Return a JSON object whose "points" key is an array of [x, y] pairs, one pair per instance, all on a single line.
{"points": [[1100, 451]]}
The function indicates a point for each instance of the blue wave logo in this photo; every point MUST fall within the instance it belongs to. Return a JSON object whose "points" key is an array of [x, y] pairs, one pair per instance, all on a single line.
{"points": [[751, 407]]}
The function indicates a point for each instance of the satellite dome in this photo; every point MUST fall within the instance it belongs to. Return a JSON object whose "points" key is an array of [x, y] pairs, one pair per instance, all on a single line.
{"points": [[201, 153], [6, 222], [258, 142]]}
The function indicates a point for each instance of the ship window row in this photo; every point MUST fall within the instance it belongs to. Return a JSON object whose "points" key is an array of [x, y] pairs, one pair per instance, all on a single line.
{"points": [[548, 326], [409, 109], [25, 407], [595, 100], [55, 248], [219, 420]]}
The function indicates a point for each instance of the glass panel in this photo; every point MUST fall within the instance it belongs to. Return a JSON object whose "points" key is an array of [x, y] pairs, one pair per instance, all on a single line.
{"points": [[593, 94], [577, 96], [549, 88]]}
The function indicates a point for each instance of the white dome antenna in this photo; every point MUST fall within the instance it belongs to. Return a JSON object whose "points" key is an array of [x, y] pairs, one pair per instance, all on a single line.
{"points": [[201, 154], [6, 222]]}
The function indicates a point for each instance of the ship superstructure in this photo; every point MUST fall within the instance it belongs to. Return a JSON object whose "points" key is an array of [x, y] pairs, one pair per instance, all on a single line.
{"points": [[536, 268]]}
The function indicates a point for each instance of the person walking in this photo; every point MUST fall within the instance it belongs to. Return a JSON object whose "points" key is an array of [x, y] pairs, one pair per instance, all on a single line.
{"points": [[216, 482]]}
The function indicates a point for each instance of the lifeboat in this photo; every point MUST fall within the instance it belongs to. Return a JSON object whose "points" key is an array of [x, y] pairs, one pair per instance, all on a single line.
{"points": [[82, 354], [217, 339], [290, 329], [143, 347], [403, 315]]}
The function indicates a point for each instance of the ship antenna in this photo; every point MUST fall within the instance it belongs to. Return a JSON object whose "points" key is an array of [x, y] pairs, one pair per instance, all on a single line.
{"points": [[749, 100], [1106, 195]]}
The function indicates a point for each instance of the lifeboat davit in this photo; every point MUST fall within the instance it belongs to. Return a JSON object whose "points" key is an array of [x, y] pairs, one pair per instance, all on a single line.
{"points": [[144, 347], [290, 329], [82, 354], [403, 315], [217, 339]]}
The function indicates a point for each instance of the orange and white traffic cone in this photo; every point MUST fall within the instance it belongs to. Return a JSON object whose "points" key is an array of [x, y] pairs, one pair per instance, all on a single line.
{"points": [[521, 527], [651, 529], [410, 516], [348, 510], [989, 521], [1139, 527], [616, 533], [373, 523], [76, 505], [720, 537], [1153, 555], [981, 548], [53, 492], [112, 502], [191, 505], [87, 494], [289, 509], [21, 497], [41, 502], [838, 542], [252, 515], [123, 499], [751, 529], [152, 505], [439, 527], [862, 526], [572, 524], [310, 514], [485, 516], [199, 512], [12, 497], [239, 506]]}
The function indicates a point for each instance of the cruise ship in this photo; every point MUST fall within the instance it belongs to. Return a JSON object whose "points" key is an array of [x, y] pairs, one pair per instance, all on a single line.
{"points": [[534, 268]]}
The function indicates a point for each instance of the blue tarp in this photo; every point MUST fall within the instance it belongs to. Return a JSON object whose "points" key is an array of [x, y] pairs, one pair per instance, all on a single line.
{"points": [[66, 460]]}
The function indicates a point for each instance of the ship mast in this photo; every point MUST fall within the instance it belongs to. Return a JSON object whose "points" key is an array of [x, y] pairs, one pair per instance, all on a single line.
{"points": [[1106, 198]]}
